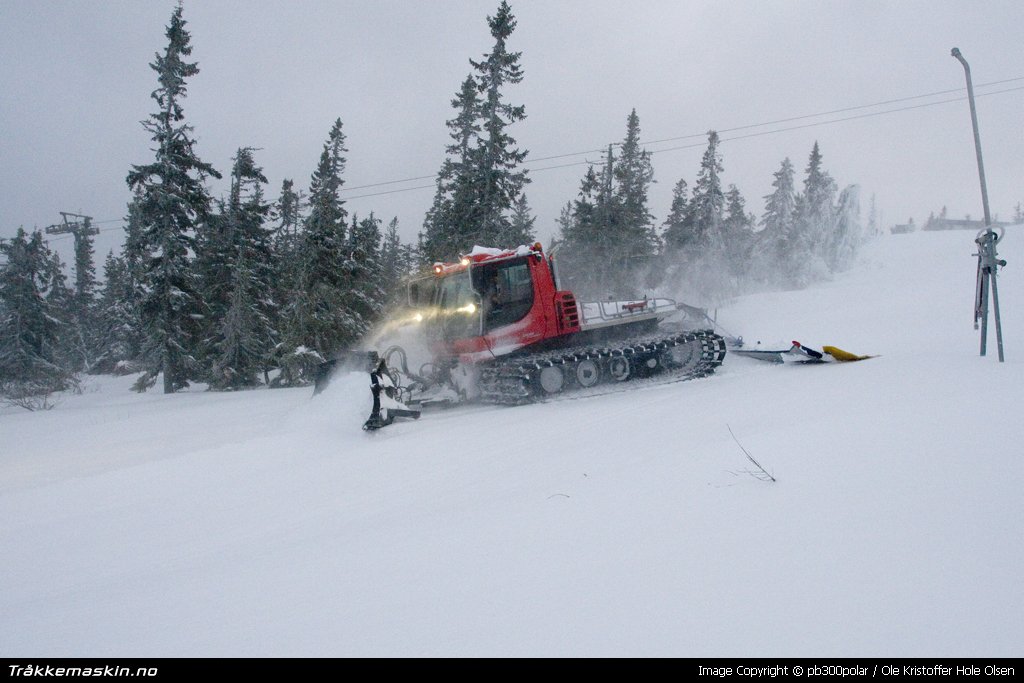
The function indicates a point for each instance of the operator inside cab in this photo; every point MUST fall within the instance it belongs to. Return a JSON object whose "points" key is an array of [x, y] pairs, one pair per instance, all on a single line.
{"points": [[506, 292], [492, 291]]}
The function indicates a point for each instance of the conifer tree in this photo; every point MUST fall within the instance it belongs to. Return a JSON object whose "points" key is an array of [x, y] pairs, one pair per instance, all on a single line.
{"points": [[316, 324], [710, 243], [83, 309], [678, 231], [585, 257], [285, 248], [610, 238], [82, 313], [393, 267], [481, 178], [776, 261], [564, 221], [736, 240], [364, 297], [520, 228], [133, 256], [118, 330], [815, 211], [33, 329], [499, 173], [633, 177], [410, 259], [708, 201], [780, 208], [85, 270], [289, 222], [245, 334], [134, 249], [70, 352], [736, 218], [174, 200], [845, 235], [212, 267], [454, 218]]}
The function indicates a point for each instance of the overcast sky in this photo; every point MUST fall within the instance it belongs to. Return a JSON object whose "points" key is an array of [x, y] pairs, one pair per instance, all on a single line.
{"points": [[75, 84]]}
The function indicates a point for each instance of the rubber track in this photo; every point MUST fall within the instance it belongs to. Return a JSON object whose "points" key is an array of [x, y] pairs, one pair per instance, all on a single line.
{"points": [[514, 380]]}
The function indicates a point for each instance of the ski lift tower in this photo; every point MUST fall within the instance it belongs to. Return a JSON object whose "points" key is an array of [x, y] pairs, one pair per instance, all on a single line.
{"points": [[77, 228], [82, 230], [988, 260]]}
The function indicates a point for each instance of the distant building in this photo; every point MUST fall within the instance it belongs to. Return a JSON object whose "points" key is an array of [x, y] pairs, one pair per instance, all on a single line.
{"points": [[902, 228]]}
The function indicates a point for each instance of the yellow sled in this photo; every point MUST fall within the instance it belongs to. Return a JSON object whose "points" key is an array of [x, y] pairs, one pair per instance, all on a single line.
{"points": [[842, 356]]}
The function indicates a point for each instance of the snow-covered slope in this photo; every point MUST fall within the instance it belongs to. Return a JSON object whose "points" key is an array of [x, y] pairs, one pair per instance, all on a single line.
{"points": [[267, 523]]}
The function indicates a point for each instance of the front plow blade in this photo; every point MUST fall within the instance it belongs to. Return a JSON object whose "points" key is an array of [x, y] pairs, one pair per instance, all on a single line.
{"points": [[386, 404], [354, 361]]}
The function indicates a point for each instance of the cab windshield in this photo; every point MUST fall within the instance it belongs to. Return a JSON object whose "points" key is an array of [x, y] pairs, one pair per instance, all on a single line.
{"points": [[459, 306]]}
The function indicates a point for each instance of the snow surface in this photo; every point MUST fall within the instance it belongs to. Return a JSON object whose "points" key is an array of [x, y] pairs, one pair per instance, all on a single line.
{"points": [[266, 523]]}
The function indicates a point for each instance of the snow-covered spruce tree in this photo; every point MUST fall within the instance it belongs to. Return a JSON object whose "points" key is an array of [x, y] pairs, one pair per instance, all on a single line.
{"points": [[499, 171], [245, 335], [736, 218], [610, 240], [364, 296], [454, 218], [120, 332], [133, 254], [585, 257], [315, 324], [481, 179], [393, 266], [737, 240], [33, 328], [634, 174], [85, 271], [287, 234], [174, 199], [564, 221], [778, 236], [814, 218], [520, 225], [677, 231], [846, 235], [707, 203], [212, 266], [780, 206], [432, 240], [133, 251], [83, 311], [118, 329], [61, 298], [697, 248]]}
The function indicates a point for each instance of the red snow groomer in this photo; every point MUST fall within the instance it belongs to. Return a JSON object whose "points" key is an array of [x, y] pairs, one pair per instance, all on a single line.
{"points": [[500, 330]]}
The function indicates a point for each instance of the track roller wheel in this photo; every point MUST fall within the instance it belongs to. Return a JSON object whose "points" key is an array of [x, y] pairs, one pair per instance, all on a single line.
{"points": [[588, 373], [619, 368], [551, 379]]}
